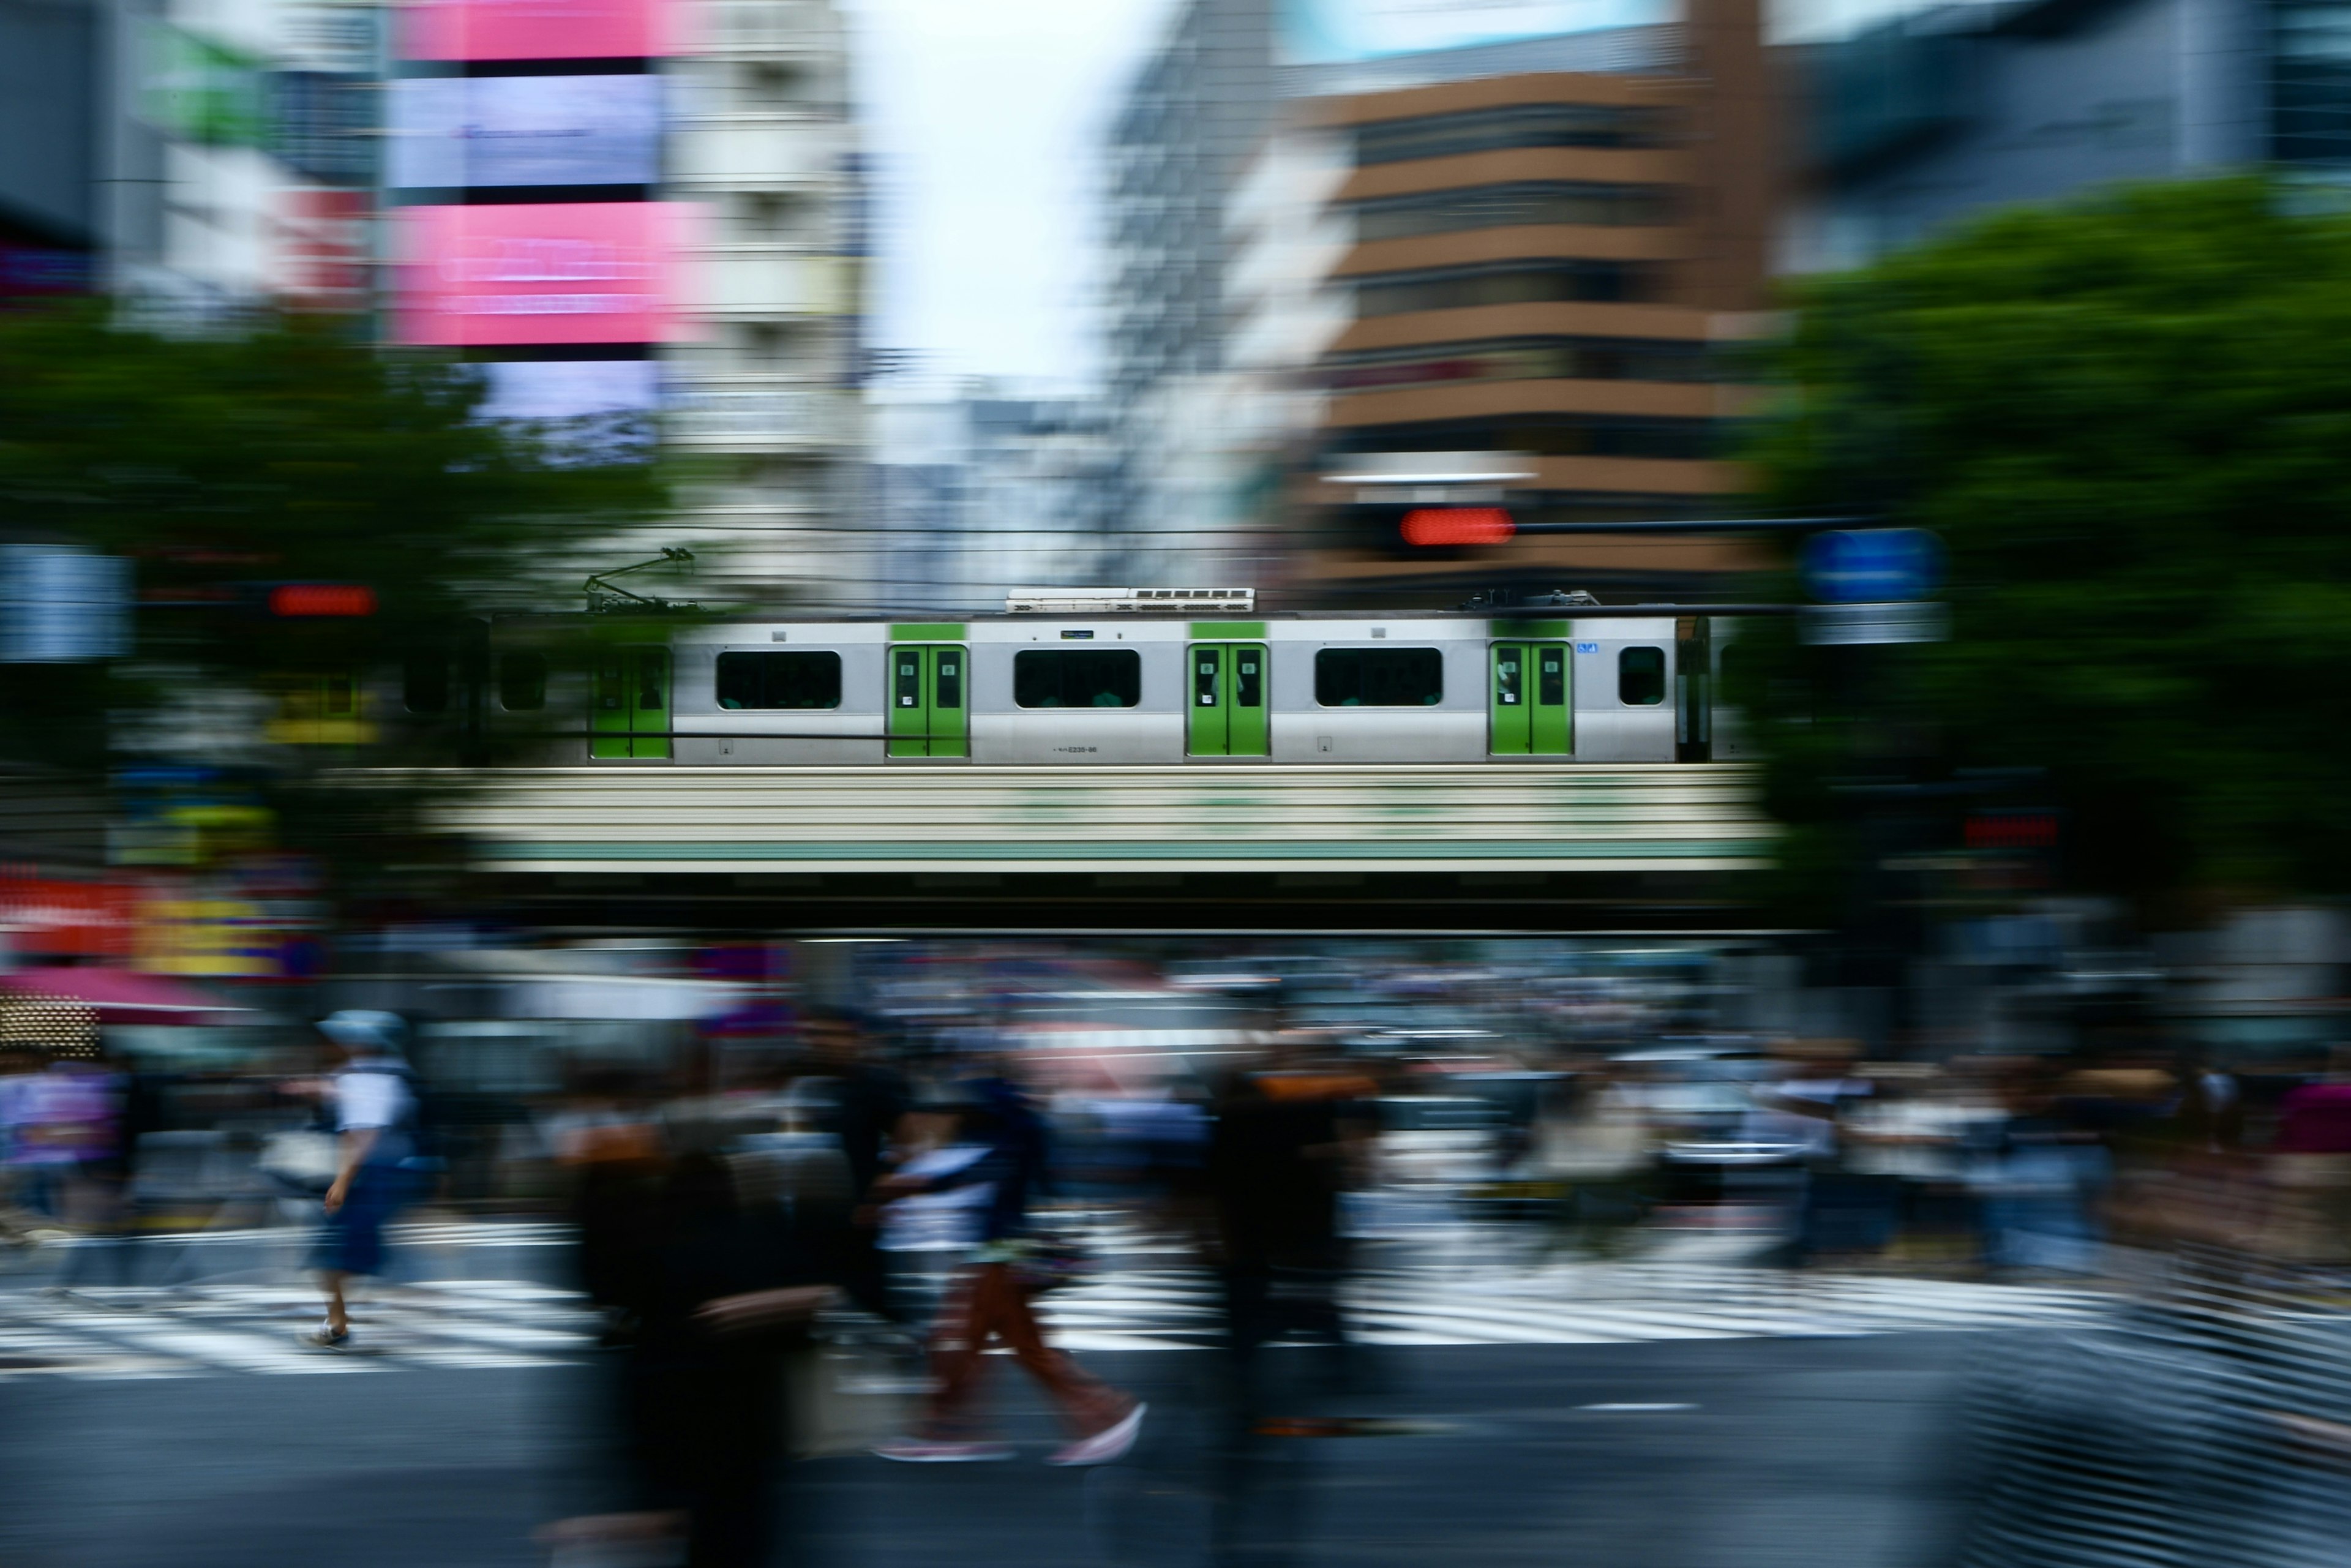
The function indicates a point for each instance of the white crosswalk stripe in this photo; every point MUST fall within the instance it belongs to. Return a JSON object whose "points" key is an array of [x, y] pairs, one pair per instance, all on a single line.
{"points": [[1143, 1300], [166, 1333], [1565, 1303]]}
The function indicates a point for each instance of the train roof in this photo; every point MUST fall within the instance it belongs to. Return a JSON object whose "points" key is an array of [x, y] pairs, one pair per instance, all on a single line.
{"points": [[797, 617]]}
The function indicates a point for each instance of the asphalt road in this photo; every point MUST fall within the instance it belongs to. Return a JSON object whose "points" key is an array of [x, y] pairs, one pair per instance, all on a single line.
{"points": [[1748, 1453]]}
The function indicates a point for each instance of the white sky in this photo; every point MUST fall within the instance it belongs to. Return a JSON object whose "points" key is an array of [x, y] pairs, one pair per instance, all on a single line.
{"points": [[986, 120]]}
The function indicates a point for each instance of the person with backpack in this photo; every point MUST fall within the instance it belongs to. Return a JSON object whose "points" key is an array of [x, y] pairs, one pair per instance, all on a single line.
{"points": [[997, 1155], [374, 1105]]}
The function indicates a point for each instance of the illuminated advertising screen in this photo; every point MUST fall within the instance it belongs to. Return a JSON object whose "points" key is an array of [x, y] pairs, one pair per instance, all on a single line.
{"points": [[582, 411], [544, 391], [454, 133], [554, 272], [1347, 32], [538, 29]]}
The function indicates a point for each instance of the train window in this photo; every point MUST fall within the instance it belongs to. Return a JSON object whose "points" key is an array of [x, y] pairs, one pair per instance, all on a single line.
{"points": [[424, 683], [1379, 677], [1249, 677], [522, 682], [778, 680], [1641, 677], [1091, 677]]}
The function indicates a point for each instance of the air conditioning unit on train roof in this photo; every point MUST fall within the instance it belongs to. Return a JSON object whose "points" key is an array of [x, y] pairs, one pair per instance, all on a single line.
{"points": [[1114, 601]]}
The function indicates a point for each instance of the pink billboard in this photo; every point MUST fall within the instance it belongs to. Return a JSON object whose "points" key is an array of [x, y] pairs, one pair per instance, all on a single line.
{"points": [[539, 29], [556, 272]]}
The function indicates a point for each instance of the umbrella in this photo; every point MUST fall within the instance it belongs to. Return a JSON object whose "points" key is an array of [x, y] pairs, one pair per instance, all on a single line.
{"points": [[121, 996]]}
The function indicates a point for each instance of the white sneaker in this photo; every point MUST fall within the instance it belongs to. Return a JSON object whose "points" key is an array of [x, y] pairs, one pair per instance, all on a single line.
{"points": [[1110, 1443], [923, 1451]]}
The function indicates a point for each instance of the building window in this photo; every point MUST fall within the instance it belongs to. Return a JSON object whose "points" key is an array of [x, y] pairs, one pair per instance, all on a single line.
{"points": [[1543, 436], [1512, 206], [1641, 677], [1517, 125], [1519, 359], [2310, 83], [1379, 677], [424, 683], [522, 682], [1077, 678], [795, 680], [1398, 294]]}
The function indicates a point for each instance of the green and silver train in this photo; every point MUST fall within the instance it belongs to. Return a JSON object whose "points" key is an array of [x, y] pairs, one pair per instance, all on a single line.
{"points": [[1085, 679]]}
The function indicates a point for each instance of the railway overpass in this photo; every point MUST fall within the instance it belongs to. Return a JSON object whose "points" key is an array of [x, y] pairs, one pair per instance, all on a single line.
{"points": [[1484, 846]]}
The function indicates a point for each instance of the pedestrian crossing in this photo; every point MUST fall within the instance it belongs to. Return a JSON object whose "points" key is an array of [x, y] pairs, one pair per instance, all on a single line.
{"points": [[1564, 1303], [146, 1332], [1151, 1303]]}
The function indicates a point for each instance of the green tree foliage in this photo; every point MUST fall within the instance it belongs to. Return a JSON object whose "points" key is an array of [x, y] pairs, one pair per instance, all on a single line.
{"points": [[286, 452], [2129, 420]]}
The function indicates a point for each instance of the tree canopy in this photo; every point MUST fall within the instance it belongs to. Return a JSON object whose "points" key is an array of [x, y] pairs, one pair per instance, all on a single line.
{"points": [[2129, 421], [288, 451]]}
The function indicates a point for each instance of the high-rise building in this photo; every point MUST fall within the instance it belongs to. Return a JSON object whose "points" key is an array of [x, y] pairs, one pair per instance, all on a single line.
{"points": [[643, 208], [638, 216], [1936, 111], [1520, 277], [975, 497], [190, 156], [764, 384], [1192, 117]]}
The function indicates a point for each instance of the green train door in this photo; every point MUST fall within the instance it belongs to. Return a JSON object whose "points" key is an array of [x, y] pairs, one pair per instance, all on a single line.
{"points": [[1529, 699], [928, 712], [631, 718], [1228, 712]]}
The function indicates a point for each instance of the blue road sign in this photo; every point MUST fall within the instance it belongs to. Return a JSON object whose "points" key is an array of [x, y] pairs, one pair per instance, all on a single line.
{"points": [[1872, 566]]}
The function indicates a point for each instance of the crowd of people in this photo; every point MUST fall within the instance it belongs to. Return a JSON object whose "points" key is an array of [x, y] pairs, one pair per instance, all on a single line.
{"points": [[717, 1226]]}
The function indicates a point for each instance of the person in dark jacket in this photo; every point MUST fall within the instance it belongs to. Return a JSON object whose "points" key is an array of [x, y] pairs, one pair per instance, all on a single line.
{"points": [[866, 1117], [704, 1295]]}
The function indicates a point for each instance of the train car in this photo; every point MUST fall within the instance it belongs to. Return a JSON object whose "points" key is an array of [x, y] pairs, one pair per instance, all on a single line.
{"points": [[1078, 678]]}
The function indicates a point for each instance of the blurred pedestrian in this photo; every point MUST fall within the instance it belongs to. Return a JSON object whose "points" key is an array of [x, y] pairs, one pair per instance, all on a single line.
{"points": [[374, 1106], [1839, 1209], [100, 1132], [706, 1293], [867, 1116], [1000, 1150], [2038, 1173], [2310, 1166], [1278, 1161]]}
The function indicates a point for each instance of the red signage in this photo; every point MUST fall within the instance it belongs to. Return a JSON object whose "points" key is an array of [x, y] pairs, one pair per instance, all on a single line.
{"points": [[69, 919], [1438, 525], [305, 599], [323, 248]]}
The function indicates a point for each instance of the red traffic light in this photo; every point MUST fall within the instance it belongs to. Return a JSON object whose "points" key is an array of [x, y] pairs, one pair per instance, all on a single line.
{"points": [[1440, 525], [295, 599]]}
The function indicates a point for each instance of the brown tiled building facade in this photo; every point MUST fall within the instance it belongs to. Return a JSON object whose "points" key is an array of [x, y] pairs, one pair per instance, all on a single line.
{"points": [[1551, 265]]}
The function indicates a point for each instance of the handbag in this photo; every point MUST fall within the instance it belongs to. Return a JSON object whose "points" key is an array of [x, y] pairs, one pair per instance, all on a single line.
{"points": [[308, 1160]]}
